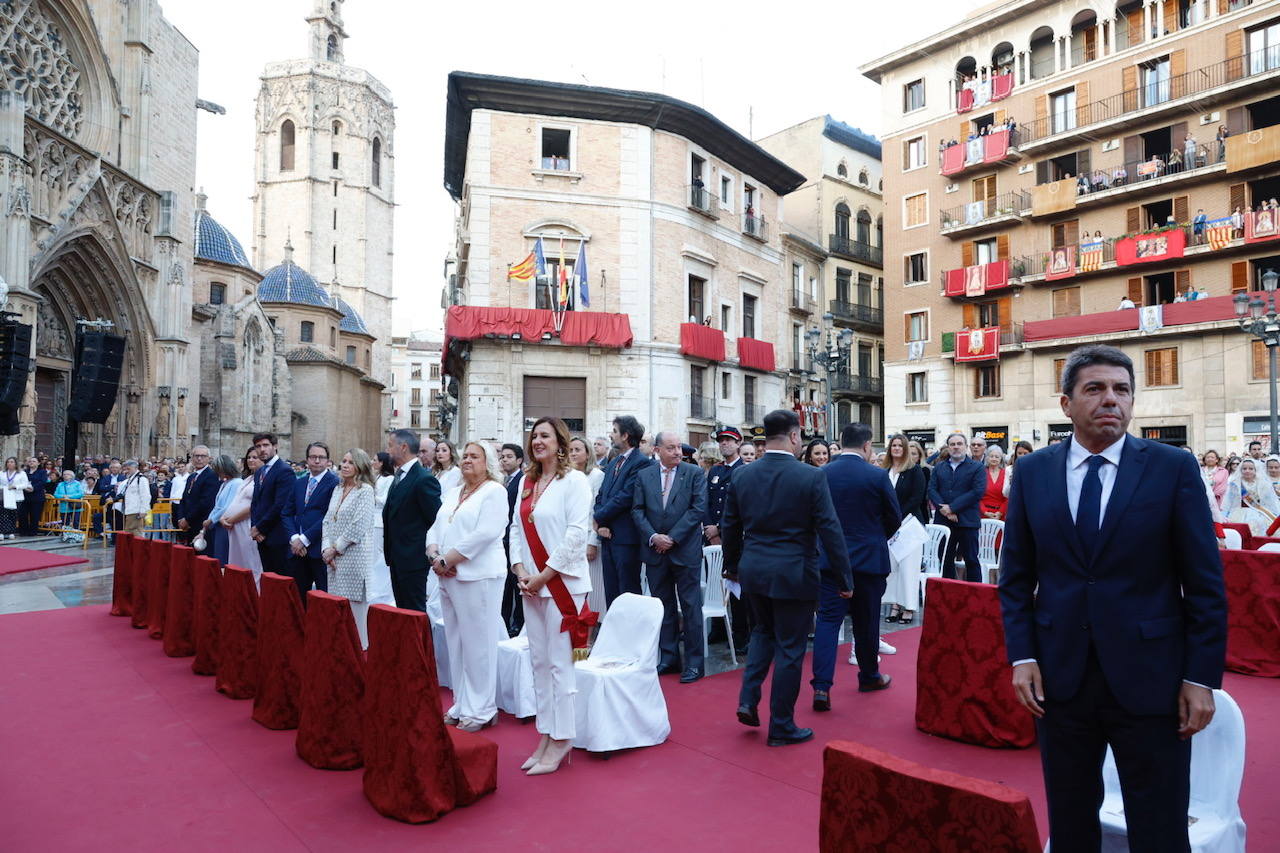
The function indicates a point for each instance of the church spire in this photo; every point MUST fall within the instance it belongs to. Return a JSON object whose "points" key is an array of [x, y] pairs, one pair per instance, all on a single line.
{"points": [[327, 34]]}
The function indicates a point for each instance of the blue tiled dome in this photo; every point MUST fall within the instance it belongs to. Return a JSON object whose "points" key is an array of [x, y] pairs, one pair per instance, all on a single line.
{"points": [[288, 282], [351, 319], [215, 243]]}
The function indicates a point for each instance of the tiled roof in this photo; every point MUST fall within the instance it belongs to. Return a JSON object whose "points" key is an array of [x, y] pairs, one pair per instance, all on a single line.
{"points": [[838, 131], [215, 243], [351, 320], [288, 282], [305, 353]]}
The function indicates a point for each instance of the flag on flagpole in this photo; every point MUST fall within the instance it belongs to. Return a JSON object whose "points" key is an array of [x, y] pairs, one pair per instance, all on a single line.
{"points": [[524, 270], [580, 270], [539, 259], [564, 277]]}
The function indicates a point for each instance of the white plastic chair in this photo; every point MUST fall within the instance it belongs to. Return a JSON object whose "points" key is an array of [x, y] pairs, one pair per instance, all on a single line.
{"points": [[515, 677], [619, 704], [1273, 547], [989, 533], [715, 600], [441, 648], [1233, 540], [1217, 765], [934, 550]]}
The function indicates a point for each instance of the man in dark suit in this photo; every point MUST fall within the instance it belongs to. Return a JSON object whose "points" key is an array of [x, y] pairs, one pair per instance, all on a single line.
{"points": [[510, 458], [303, 520], [729, 439], [199, 496], [1114, 611], [108, 492], [956, 487], [868, 511], [272, 490], [776, 512], [669, 502], [32, 507], [619, 539], [410, 510]]}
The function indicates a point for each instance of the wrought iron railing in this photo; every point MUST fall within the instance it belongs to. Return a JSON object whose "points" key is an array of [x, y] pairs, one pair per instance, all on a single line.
{"points": [[857, 312], [841, 244], [1132, 173], [842, 381], [701, 199], [702, 407], [1010, 203], [801, 301], [753, 225]]}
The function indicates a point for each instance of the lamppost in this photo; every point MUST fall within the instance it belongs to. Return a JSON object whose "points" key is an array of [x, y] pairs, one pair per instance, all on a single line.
{"points": [[1260, 318], [829, 351]]}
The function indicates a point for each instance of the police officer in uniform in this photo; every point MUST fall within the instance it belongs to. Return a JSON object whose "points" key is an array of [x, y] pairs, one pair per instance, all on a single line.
{"points": [[730, 439]]}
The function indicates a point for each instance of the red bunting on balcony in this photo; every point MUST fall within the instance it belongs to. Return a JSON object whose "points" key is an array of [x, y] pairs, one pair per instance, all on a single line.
{"points": [[701, 341], [978, 279], [965, 101], [978, 344], [995, 146], [1260, 225], [755, 355], [580, 328], [1001, 86], [1060, 263], [953, 159], [1149, 248]]}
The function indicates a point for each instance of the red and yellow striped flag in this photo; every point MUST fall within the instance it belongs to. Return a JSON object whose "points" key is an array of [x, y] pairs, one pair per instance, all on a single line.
{"points": [[524, 270], [1218, 232], [1090, 256]]}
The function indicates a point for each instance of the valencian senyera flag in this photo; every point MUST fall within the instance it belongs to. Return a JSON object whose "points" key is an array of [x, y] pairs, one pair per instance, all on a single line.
{"points": [[533, 265]]}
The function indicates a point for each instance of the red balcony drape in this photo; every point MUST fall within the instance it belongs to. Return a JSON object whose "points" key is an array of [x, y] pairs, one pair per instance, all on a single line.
{"points": [[701, 341], [755, 355], [953, 159], [978, 344], [995, 146], [965, 101], [1150, 248], [581, 328], [1001, 86]]}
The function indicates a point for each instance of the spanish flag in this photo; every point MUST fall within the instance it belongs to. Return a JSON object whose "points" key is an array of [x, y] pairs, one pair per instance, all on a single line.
{"points": [[564, 277]]}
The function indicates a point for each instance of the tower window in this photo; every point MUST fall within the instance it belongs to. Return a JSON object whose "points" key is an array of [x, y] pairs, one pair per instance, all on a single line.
{"points": [[337, 128], [335, 159], [377, 162], [286, 146], [307, 334], [335, 253], [331, 50], [217, 293], [335, 189], [555, 149], [335, 219], [351, 355]]}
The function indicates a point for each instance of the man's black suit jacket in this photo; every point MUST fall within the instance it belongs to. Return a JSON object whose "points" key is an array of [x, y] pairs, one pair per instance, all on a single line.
{"points": [[408, 514]]}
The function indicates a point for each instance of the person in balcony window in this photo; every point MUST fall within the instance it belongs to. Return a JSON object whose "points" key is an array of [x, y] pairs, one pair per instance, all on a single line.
{"points": [[1221, 138], [1189, 149], [1119, 176], [1198, 225], [1175, 161], [1125, 304], [1082, 185], [1237, 224]]}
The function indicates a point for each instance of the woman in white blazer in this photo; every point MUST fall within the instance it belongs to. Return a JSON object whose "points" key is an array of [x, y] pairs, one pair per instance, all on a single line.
{"points": [[13, 489], [556, 500], [465, 549], [346, 537]]}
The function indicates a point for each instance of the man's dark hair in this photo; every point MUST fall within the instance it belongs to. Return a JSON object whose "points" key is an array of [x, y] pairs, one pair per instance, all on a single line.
{"points": [[321, 445], [1088, 356], [631, 428], [855, 435], [1252, 443], [385, 466], [516, 449], [408, 437], [780, 422], [268, 436]]}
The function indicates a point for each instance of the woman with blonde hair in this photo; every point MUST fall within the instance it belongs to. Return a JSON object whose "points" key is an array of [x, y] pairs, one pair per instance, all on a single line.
{"points": [[709, 456], [346, 543], [902, 591], [464, 546], [445, 466], [548, 537]]}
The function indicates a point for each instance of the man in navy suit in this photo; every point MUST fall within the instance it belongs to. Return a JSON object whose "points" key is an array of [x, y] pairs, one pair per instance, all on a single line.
{"points": [[1114, 611], [619, 539], [867, 507], [776, 512], [303, 520], [108, 492], [670, 499], [272, 490], [956, 487], [412, 504], [510, 459], [199, 496]]}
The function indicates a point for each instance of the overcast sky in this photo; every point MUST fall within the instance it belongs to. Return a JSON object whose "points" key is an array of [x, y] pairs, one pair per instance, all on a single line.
{"points": [[758, 67]]}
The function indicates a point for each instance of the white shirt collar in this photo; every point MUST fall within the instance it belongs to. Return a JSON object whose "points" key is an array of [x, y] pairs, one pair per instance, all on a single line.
{"points": [[783, 452], [406, 466], [1077, 455]]}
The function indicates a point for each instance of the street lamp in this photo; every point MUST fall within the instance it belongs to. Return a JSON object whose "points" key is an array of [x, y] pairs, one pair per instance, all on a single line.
{"points": [[1260, 318], [830, 352]]}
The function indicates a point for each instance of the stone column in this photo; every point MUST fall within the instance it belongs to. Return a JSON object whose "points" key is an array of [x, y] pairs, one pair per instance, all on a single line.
{"points": [[15, 254]]}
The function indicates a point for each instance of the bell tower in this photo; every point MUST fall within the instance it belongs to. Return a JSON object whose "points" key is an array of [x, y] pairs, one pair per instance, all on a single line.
{"points": [[327, 34]]}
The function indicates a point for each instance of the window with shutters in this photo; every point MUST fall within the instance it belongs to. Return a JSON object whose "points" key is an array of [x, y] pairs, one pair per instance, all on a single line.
{"points": [[917, 326], [1066, 233], [915, 154], [1059, 365], [1066, 302], [913, 96], [915, 210], [984, 190], [918, 387], [844, 286], [1154, 77], [1264, 48], [986, 251], [1261, 368], [916, 268], [986, 381], [748, 315], [1162, 367], [988, 314], [697, 295], [1062, 110]]}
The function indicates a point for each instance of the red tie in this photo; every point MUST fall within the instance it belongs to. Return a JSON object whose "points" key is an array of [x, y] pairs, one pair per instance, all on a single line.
{"points": [[617, 466], [666, 485]]}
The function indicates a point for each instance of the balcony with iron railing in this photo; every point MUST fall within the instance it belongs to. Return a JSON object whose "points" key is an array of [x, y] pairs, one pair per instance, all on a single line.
{"points": [[556, 164], [753, 414], [861, 313], [1231, 77], [702, 408], [1152, 174], [803, 303], [1002, 209], [753, 225], [866, 386], [702, 200], [856, 250]]}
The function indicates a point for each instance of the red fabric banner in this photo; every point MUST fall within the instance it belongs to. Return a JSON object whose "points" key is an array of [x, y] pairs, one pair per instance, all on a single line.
{"points": [[1253, 612], [701, 341], [158, 588], [964, 101], [1152, 247], [1001, 86], [280, 639], [1260, 225], [953, 159], [955, 282], [997, 275], [872, 800], [208, 594], [995, 146], [330, 704], [596, 328], [1060, 263], [179, 628], [581, 328], [755, 355], [963, 691], [122, 576], [237, 676], [148, 549]]}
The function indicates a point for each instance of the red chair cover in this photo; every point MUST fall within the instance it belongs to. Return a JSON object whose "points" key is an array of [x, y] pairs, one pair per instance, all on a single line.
{"points": [[280, 640], [207, 584], [963, 686], [122, 576], [179, 627], [1253, 612], [874, 801], [329, 719], [146, 551], [158, 588], [237, 675], [416, 769], [1246, 534]]}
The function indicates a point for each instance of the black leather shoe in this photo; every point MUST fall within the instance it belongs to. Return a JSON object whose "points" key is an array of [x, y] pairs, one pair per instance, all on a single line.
{"points": [[748, 716], [882, 684], [669, 669], [798, 736], [690, 675], [821, 700]]}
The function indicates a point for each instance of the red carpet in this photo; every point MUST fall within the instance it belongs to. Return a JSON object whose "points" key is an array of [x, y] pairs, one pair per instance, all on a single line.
{"points": [[14, 560], [107, 741]]}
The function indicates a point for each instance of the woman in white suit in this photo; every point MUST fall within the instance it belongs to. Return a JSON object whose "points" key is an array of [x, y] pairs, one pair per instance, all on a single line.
{"points": [[465, 549], [554, 504], [347, 537]]}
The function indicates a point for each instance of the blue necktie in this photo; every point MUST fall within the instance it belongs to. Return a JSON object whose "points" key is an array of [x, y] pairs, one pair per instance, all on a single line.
{"points": [[1089, 512], [311, 487]]}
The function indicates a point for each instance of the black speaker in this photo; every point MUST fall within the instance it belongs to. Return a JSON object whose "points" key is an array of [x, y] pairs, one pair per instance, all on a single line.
{"points": [[97, 381], [15, 365]]}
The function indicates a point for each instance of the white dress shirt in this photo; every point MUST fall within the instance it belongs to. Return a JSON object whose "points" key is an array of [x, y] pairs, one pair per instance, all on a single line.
{"points": [[177, 486], [1078, 466]]}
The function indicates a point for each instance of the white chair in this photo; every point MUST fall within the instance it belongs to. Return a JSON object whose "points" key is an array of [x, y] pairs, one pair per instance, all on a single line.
{"points": [[989, 533], [441, 648], [619, 704], [1233, 540], [595, 598], [934, 550], [515, 677], [1217, 765], [715, 599], [1273, 547]]}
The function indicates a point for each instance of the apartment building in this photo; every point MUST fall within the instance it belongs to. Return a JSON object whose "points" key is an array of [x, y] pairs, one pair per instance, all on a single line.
{"points": [[415, 388], [839, 207], [659, 291], [1051, 164]]}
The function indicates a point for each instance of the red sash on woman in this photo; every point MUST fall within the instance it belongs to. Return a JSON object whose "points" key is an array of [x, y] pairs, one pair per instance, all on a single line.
{"points": [[577, 624]]}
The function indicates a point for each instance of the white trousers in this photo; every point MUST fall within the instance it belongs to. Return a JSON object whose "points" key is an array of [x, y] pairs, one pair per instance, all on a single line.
{"points": [[360, 610], [468, 609], [551, 654]]}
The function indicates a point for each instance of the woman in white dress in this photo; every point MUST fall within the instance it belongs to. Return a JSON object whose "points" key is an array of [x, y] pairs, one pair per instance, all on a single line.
{"points": [[15, 486], [241, 550], [466, 553], [581, 458], [446, 466], [1250, 498], [345, 540], [379, 591], [902, 590], [554, 506]]}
